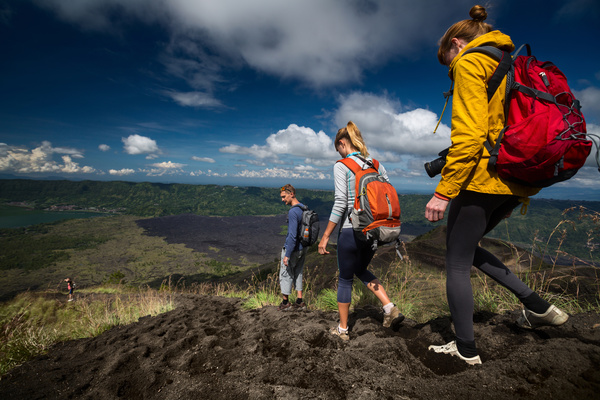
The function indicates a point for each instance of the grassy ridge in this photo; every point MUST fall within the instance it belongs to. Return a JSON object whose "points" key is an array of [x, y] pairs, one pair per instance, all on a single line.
{"points": [[33, 322]]}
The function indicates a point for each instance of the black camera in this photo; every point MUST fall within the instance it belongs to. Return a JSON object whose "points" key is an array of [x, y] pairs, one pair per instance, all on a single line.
{"points": [[435, 167]]}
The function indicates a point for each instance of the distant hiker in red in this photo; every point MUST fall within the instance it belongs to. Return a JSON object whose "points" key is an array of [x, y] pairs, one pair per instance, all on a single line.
{"points": [[353, 253], [479, 199], [70, 288], [293, 253]]}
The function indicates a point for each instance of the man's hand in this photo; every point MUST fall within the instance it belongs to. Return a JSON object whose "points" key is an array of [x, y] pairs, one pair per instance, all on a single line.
{"points": [[285, 261], [435, 209]]}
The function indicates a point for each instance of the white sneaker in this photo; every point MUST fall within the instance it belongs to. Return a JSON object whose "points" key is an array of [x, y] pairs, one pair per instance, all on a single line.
{"points": [[552, 317], [450, 348]]}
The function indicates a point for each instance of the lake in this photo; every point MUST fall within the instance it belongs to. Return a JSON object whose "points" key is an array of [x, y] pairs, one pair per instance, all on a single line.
{"points": [[17, 217]]}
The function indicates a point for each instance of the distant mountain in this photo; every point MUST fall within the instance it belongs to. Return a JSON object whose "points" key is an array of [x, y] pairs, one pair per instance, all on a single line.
{"points": [[544, 227]]}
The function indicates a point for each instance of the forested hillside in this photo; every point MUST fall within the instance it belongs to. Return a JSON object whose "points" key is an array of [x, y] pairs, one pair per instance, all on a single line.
{"points": [[575, 231], [152, 199]]}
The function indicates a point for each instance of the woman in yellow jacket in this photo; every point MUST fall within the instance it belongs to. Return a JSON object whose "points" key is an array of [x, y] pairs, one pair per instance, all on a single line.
{"points": [[478, 198]]}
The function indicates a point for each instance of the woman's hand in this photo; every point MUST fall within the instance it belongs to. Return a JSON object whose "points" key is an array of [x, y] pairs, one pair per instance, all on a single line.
{"points": [[323, 245], [435, 209], [325, 238]]}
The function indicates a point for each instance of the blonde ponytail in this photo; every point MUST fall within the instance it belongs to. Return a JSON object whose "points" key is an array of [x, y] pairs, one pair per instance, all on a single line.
{"points": [[353, 135]]}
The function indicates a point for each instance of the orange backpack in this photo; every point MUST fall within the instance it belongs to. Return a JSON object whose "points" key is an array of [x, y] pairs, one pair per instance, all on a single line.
{"points": [[375, 215]]}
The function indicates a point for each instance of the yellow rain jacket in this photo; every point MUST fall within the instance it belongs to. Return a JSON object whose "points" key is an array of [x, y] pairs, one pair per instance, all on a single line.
{"points": [[474, 121]]}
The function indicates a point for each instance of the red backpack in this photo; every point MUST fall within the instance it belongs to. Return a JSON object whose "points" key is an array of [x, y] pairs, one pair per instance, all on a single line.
{"points": [[544, 140], [375, 215]]}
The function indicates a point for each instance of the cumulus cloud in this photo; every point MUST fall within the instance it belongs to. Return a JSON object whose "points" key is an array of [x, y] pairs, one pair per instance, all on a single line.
{"points": [[104, 147], [121, 172], [318, 42], [390, 134], [386, 128], [297, 141], [299, 172], [204, 159], [168, 165], [40, 159], [208, 173], [590, 102], [136, 144], [164, 168], [594, 134]]}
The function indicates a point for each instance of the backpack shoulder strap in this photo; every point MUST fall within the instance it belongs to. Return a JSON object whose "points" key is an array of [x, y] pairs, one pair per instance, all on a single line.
{"points": [[303, 207], [504, 64], [376, 164], [505, 61], [351, 164], [355, 167]]}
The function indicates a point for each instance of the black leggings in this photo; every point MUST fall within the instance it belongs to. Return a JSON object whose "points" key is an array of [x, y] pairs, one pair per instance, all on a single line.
{"points": [[471, 216]]}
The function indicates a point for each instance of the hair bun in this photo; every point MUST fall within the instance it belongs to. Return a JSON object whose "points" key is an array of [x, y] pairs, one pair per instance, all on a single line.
{"points": [[478, 13]]}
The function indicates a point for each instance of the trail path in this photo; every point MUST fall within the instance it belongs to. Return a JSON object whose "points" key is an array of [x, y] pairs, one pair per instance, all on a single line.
{"points": [[210, 348]]}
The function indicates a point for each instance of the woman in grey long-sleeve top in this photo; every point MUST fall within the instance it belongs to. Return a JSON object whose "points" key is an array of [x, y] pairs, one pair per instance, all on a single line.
{"points": [[353, 254]]}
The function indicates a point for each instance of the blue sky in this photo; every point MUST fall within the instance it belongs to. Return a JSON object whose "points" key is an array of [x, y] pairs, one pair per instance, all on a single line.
{"points": [[252, 92]]}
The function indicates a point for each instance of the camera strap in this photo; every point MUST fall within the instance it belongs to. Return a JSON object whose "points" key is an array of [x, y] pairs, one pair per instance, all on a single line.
{"points": [[447, 96]]}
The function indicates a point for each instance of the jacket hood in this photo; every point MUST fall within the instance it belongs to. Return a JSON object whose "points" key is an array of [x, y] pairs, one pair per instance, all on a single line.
{"points": [[494, 38]]}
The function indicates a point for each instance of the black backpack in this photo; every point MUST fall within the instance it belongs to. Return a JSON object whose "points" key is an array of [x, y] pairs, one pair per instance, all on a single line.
{"points": [[309, 226]]}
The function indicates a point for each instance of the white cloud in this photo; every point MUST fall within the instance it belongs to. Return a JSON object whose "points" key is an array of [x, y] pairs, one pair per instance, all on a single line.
{"points": [[104, 147], [590, 102], [585, 177], [193, 99], [258, 163], [294, 173], [388, 132], [294, 141], [400, 173], [254, 150], [121, 172], [594, 131], [204, 159], [164, 168], [40, 159], [168, 165], [386, 128], [208, 173], [136, 144], [318, 42], [65, 150]]}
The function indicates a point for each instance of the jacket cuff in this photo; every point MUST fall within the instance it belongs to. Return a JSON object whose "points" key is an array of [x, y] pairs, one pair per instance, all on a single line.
{"points": [[441, 196], [447, 190]]}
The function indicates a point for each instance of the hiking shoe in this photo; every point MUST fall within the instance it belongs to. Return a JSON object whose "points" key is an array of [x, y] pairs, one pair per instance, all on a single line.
{"points": [[395, 316], [552, 317], [343, 335], [283, 307], [299, 306], [450, 348]]}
